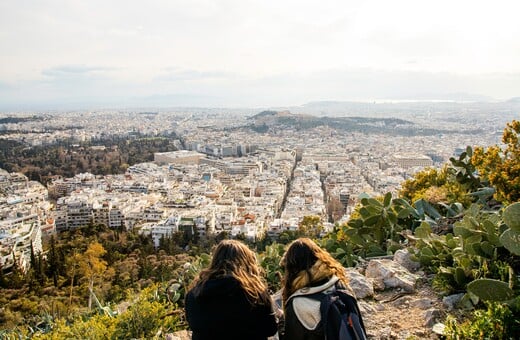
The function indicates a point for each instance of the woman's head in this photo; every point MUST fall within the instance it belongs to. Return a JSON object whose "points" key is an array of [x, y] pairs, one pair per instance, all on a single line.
{"points": [[306, 263], [232, 258]]}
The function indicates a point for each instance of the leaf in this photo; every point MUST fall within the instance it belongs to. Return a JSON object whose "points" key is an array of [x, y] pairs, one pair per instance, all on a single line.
{"points": [[511, 216], [374, 202], [462, 231], [340, 251], [364, 212], [491, 290], [491, 232], [510, 239], [355, 223], [392, 217], [487, 248], [460, 276], [423, 231], [404, 213], [371, 220], [387, 200]]}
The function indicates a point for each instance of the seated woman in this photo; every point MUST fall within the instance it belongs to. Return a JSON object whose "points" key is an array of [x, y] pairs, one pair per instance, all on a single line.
{"points": [[309, 270], [230, 300]]}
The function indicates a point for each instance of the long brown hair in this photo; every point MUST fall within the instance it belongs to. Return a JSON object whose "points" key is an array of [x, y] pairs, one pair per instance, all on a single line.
{"points": [[305, 263], [233, 258]]}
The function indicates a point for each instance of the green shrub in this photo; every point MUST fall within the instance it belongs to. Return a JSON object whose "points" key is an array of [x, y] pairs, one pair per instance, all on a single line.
{"points": [[497, 321]]}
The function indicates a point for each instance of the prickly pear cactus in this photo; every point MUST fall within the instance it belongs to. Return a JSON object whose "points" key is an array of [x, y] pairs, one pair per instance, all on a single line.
{"points": [[512, 216], [492, 290], [510, 239]]}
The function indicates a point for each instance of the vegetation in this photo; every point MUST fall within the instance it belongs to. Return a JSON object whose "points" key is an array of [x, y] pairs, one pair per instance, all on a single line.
{"points": [[68, 158], [501, 167]]}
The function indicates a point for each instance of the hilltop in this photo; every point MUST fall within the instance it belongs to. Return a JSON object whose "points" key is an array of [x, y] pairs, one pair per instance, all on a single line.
{"points": [[269, 121]]}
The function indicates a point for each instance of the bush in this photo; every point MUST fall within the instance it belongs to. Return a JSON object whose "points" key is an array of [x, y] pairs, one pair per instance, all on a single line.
{"points": [[497, 321]]}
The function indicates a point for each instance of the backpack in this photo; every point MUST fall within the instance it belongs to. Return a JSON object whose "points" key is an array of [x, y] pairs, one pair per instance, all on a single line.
{"points": [[340, 316]]}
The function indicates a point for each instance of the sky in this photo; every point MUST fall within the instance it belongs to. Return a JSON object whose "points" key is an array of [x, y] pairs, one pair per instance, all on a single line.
{"points": [[242, 53]]}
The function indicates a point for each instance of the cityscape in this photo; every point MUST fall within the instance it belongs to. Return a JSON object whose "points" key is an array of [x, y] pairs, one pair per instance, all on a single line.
{"points": [[225, 175]]}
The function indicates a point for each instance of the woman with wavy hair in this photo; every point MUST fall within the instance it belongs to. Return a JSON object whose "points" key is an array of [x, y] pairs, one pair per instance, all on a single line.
{"points": [[230, 300], [308, 270]]}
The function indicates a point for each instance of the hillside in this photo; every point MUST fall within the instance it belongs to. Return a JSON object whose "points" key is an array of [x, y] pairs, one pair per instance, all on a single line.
{"points": [[268, 121]]}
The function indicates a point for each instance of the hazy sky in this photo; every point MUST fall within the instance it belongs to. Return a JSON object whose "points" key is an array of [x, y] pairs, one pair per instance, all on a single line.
{"points": [[255, 53]]}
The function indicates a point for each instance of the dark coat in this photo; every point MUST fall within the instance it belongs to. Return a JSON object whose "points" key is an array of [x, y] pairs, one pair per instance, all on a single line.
{"points": [[221, 310]]}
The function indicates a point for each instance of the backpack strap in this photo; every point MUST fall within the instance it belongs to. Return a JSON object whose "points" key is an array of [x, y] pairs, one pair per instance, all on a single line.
{"points": [[354, 316], [341, 317]]}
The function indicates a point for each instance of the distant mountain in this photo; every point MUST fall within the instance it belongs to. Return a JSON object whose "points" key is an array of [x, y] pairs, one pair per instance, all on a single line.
{"points": [[264, 114], [271, 120], [515, 100]]}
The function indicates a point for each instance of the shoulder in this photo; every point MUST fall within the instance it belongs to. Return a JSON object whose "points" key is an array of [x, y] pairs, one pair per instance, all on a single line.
{"points": [[324, 287]]}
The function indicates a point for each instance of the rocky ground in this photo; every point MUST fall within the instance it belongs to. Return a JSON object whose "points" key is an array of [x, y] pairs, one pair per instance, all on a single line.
{"points": [[395, 315], [396, 300]]}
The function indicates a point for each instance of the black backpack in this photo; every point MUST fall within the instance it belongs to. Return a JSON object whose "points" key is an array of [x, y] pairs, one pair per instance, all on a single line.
{"points": [[340, 316]]}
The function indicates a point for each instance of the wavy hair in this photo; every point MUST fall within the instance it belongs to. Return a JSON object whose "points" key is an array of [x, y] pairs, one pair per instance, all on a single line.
{"points": [[235, 259], [306, 264]]}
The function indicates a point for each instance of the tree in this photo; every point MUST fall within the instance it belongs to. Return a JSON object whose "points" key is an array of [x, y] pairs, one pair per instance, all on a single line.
{"points": [[501, 167], [92, 266], [310, 226]]}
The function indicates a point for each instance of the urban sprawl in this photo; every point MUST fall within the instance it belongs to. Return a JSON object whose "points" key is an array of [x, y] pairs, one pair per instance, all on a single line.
{"points": [[223, 177]]}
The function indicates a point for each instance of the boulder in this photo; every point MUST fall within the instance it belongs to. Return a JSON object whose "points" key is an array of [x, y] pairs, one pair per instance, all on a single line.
{"points": [[451, 301], [422, 303], [179, 335], [360, 285], [431, 316], [392, 274], [404, 258]]}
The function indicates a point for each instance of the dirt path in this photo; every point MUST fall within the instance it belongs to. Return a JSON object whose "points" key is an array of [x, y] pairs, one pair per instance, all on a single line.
{"points": [[395, 315]]}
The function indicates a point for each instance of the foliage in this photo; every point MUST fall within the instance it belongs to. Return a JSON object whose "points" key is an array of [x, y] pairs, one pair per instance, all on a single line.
{"points": [[378, 228], [473, 251], [69, 157], [149, 315], [270, 262], [310, 226], [501, 167], [436, 187], [497, 321]]}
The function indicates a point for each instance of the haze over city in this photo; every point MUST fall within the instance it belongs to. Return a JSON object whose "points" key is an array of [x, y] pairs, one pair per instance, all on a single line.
{"points": [[79, 54]]}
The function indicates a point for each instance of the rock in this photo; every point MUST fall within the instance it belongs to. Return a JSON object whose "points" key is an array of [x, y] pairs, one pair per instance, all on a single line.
{"points": [[404, 258], [422, 303], [438, 328], [379, 307], [179, 335], [366, 308], [402, 301], [378, 283], [451, 301], [392, 274], [383, 333], [430, 317], [361, 286]]}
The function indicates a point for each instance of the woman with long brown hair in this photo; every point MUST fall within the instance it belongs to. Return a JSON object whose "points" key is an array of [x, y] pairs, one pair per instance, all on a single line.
{"points": [[230, 300], [308, 271]]}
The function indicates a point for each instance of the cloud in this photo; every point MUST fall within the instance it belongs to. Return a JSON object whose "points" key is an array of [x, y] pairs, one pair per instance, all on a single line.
{"points": [[174, 74], [74, 70]]}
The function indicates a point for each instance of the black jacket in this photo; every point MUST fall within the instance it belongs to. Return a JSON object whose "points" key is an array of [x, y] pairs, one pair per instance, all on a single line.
{"points": [[221, 310]]}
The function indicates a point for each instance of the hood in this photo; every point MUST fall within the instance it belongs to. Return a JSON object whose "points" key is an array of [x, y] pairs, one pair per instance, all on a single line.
{"points": [[325, 287]]}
